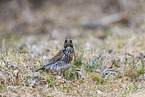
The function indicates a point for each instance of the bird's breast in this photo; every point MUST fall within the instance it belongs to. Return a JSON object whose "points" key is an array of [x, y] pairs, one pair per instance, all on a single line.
{"points": [[69, 55]]}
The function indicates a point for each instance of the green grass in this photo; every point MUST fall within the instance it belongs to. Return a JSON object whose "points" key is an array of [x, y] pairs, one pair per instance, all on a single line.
{"points": [[120, 58]]}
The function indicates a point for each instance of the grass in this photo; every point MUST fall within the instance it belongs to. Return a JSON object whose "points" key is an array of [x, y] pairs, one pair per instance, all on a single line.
{"points": [[121, 67], [123, 59]]}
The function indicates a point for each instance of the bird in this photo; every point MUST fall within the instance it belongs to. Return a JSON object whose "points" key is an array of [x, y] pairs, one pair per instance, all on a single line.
{"points": [[63, 60]]}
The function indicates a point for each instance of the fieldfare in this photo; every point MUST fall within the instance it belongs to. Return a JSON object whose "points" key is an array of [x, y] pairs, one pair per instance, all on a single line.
{"points": [[63, 60]]}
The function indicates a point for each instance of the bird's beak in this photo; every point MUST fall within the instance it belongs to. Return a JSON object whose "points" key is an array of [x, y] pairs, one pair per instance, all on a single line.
{"points": [[68, 40]]}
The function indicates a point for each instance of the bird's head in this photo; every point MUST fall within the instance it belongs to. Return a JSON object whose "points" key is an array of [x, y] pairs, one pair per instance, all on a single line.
{"points": [[68, 42]]}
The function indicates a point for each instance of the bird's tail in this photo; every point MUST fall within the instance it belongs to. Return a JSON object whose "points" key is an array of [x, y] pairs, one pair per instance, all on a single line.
{"points": [[39, 69]]}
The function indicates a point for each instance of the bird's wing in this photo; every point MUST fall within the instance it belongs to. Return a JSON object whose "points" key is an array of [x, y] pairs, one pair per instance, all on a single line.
{"points": [[56, 58], [53, 61]]}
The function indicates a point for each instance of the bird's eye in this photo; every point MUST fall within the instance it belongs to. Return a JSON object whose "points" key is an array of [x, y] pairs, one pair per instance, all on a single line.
{"points": [[70, 41], [65, 41]]}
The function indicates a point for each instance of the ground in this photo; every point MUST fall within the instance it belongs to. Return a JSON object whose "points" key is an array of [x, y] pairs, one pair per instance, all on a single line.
{"points": [[119, 71]]}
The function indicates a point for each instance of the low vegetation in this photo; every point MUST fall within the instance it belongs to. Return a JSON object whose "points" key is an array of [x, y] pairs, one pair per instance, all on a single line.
{"points": [[108, 38], [119, 71]]}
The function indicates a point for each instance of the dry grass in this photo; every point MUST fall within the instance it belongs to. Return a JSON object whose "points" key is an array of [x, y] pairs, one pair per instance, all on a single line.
{"points": [[18, 76], [121, 66]]}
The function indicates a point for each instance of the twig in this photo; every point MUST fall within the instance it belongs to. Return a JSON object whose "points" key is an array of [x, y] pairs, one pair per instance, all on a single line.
{"points": [[99, 56], [92, 70], [103, 72]]}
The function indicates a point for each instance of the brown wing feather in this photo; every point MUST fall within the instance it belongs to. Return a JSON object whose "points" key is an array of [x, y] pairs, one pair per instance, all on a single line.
{"points": [[57, 57]]}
